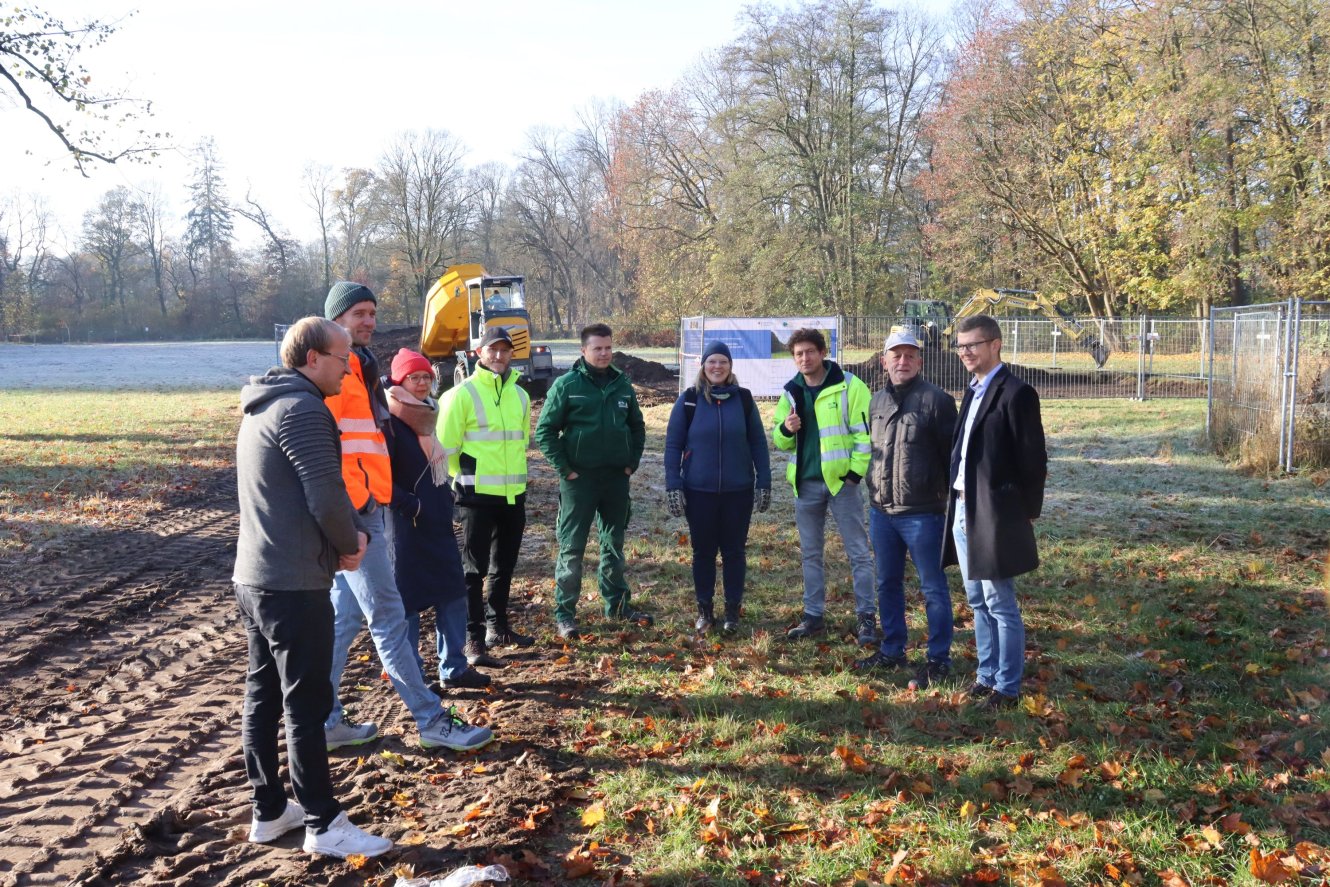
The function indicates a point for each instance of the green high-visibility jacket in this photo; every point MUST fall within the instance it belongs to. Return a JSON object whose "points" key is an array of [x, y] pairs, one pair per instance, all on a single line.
{"points": [[842, 427], [484, 427]]}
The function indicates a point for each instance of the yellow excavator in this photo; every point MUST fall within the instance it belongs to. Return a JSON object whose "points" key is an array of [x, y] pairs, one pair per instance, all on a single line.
{"points": [[932, 320], [461, 305]]}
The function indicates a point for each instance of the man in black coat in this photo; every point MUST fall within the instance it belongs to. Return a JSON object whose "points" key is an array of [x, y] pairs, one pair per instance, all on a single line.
{"points": [[998, 467]]}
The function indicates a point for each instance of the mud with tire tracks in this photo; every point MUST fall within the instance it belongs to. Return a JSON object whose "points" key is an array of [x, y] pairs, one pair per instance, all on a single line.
{"points": [[120, 709]]}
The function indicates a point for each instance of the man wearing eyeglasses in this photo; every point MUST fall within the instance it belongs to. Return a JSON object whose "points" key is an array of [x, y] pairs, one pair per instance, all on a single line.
{"points": [[998, 467], [369, 595], [296, 526]]}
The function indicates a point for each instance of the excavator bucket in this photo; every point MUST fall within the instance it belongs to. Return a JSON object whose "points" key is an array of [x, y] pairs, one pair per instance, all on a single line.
{"points": [[1099, 351]]}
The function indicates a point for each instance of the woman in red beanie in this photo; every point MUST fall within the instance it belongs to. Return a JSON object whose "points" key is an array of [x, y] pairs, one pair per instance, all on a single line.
{"points": [[425, 557]]}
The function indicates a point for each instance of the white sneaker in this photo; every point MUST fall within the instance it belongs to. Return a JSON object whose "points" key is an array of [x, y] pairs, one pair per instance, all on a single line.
{"points": [[350, 734], [292, 817], [342, 839], [450, 731]]}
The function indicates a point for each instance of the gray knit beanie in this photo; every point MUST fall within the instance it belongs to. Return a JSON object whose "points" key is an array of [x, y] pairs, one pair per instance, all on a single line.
{"points": [[343, 295]]}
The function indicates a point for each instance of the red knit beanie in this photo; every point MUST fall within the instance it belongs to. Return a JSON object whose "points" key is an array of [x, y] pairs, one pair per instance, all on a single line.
{"points": [[407, 362]]}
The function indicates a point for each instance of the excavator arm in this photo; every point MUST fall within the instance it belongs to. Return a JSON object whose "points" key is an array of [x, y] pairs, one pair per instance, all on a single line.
{"points": [[984, 299]]}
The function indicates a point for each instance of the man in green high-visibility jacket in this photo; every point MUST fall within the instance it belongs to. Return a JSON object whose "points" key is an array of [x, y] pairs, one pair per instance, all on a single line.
{"points": [[591, 431], [822, 421]]}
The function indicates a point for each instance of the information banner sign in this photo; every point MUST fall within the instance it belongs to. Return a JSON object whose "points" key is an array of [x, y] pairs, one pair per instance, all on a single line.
{"points": [[757, 345]]}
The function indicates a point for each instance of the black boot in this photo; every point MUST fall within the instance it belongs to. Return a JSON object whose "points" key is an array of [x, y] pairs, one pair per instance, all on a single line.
{"points": [[731, 625], [477, 654], [706, 618], [501, 634]]}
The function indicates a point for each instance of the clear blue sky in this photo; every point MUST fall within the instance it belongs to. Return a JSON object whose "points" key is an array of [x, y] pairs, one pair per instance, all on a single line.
{"points": [[282, 83]]}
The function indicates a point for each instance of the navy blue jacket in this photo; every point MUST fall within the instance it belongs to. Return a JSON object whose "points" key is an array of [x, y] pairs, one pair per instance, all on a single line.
{"points": [[722, 451], [426, 560]]}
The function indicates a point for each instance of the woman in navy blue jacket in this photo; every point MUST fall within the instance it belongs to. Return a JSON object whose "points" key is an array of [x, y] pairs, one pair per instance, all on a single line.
{"points": [[717, 470], [427, 563]]}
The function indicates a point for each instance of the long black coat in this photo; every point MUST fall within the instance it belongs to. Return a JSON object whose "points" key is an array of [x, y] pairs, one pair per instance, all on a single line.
{"points": [[426, 561], [1005, 468]]}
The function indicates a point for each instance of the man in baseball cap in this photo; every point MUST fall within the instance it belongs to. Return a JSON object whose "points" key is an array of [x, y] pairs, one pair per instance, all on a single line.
{"points": [[485, 429], [911, 422]]}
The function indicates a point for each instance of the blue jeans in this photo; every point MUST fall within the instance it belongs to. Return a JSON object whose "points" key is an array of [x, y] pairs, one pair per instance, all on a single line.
{"points": [[999, 633], [920, 535], [810, 516], [369, 595], [449, 638]]}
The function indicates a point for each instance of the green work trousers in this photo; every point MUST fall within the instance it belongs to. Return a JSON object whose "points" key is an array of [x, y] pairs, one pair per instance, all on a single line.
{"points": [[600, 494]]}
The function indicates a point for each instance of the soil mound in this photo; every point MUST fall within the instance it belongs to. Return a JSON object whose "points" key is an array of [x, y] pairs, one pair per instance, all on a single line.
{"points": [[643, 372], [387, 341]]}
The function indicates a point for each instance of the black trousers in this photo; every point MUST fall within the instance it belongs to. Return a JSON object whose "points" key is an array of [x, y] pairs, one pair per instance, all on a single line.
{"points": [[718, 522], [290, 666], [491, 540]]}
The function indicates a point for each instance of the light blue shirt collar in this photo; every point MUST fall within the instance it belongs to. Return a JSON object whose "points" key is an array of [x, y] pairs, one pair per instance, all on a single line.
{"points": [[980, 387]]}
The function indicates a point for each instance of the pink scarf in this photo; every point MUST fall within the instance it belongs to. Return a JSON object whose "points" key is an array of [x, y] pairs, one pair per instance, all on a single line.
{"points": [[421, 416]]}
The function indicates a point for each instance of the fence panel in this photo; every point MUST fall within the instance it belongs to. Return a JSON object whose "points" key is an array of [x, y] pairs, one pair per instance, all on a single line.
{"points": [[1308, 441], [1148, 357], [1245, 418]]}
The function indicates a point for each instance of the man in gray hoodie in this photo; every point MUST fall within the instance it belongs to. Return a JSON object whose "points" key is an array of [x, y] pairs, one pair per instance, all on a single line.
{"points": [[297, 527]]}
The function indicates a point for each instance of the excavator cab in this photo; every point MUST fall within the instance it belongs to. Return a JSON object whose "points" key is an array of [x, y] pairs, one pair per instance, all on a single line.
{"points": [[927, 319]]}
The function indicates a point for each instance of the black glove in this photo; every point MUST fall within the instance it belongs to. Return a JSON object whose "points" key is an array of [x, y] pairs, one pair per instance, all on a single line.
{"points": [[762, 499], [674, 499]]}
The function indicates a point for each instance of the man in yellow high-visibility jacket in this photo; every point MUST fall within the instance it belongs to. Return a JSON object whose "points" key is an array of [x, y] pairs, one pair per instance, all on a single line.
{"points": [[485, 430], [822, 422]]}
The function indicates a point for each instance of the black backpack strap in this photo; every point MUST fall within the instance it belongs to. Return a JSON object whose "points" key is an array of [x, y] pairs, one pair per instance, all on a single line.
{"points": [[747, 397], [689, 408]]}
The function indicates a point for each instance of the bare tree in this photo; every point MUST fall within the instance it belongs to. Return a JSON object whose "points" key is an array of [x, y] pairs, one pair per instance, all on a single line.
{"points": [[149, 209], [39, 67], [354, 206], [278, 244], [24, 222], [319, 194], [487, 183], [108, 231], [424, 202]]}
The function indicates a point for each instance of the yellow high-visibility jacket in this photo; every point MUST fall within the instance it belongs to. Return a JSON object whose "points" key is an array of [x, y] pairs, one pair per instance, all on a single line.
{"points": [[841, 408], [485, 427]]}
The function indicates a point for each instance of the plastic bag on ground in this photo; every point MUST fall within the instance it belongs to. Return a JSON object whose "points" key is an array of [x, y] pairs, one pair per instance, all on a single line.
{"points": [[463, 877]]}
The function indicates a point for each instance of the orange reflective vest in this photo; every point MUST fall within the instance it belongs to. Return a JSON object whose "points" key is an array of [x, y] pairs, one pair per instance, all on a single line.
{"points": [[365, 466]]}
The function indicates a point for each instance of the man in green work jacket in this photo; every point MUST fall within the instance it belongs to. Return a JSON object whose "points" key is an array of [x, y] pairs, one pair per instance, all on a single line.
{"points": [[591, 431]]}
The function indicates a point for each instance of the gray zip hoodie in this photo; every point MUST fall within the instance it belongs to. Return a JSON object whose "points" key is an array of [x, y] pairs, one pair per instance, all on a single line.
{"points": [[296, 519]]}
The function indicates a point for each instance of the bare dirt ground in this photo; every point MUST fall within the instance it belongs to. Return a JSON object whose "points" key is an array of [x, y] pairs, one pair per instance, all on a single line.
{"points": [[120, 711]]}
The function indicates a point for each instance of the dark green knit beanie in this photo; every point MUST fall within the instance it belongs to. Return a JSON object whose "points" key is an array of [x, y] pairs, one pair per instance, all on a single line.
{"points": [[343, 295]]}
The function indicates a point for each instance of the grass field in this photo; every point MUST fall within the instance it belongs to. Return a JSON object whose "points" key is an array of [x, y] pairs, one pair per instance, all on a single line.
{"points": [[78, 461], [1172, 724], [1172, 732]]}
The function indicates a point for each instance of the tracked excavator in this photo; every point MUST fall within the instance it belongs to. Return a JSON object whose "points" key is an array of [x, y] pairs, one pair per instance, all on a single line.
{"points": [[933, 322], [460, 307]]}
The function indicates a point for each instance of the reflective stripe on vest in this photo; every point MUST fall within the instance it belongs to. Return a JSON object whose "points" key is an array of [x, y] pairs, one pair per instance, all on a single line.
{"points": [[376, 447], [492, 445], [366, 469], [835, 441], [491, 480], [347, 425]]}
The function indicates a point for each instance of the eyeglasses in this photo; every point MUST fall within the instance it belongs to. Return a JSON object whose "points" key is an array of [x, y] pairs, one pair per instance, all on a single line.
{"points": [[420, 377], [345, 359], [968, 347]]}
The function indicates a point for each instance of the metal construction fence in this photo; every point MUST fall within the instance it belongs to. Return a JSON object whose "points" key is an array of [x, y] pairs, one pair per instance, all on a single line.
{"points": [[1269, 405], [1147, 356]]}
